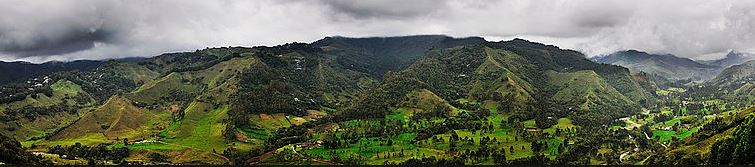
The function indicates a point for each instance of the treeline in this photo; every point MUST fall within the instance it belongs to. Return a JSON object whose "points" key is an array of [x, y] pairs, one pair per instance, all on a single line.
{"points": [[97, 152], [282, 85], [736, 149], [376, 103], [497, 156], [473, 120], [31, 113], [100, 83], [192, 61], [13, 92], [12, 153]]}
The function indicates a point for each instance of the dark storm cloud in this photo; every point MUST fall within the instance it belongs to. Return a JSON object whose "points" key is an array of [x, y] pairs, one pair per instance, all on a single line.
{"points": [[39, 30], [46, 28], [67, 42], [398, 9]]}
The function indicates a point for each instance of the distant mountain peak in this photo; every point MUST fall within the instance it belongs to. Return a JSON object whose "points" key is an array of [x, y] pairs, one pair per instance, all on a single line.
{"points": [[635, 51], [732, 58], [737, 54]]}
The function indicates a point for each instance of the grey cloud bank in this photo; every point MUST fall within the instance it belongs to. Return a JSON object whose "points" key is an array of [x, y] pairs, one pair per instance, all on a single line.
{"points": [[38, 31]]}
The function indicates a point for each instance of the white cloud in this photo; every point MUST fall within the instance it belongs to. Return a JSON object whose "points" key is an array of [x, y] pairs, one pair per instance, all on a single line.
{"points": [[37, 30]]}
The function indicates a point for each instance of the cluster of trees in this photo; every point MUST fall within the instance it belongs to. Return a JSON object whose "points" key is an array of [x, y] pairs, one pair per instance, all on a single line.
{"points": [[239, 157], [283, 85], [473, 121], [463, 157], [378, 102], [192, 61], [467, 157], [157, 157], [737, 149], [384, 129], [32, 112], [437, 111], [12, 153], [97, 152], [101, 83], [18, 91], [292, 134], [592, 139], [715, 126]]}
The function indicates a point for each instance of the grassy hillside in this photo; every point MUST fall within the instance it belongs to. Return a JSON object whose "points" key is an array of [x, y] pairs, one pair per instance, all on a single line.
{"points": [[116, 119], [735, 83], [39, 115], [735, 75], [585, 88], [709, 147], [513, 75]]}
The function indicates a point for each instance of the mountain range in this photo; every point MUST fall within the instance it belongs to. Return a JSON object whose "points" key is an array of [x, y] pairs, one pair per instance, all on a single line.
{"points": [[672, 67], [732, 58], [242, 105]]}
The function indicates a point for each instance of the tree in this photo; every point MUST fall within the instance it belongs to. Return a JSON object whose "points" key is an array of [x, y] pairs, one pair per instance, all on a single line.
{"points": [[536, 146], [737, 149], [12, 153], [157, 157]]}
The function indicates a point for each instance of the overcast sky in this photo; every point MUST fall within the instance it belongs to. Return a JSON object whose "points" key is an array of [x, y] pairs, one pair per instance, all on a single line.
{"points": [[44, 30]]}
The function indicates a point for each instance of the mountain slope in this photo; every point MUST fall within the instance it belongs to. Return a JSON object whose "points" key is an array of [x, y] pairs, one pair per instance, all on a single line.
{"points": [[736, 82], [510, 76], [40, 114], [379, 55], [735, 75], [585, 88]]}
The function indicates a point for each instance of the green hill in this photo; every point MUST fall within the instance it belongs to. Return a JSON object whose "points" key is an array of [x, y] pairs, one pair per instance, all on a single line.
{"points": [[416, 99], [735, 75], [512, 75], [379, 55], [40, 114], [718, 144], [586, 88], [736, 82]]}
